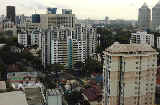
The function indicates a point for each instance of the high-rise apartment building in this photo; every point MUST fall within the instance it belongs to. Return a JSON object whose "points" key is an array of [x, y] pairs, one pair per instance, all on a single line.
{"points": [[129, 74], [58, 46], [156, 16], [158, 42], [23, 38], [36, 38], [142, 38], [144, 17], [79, 51], [89, 34], [91, 40], [80, 32], [11, 13]]}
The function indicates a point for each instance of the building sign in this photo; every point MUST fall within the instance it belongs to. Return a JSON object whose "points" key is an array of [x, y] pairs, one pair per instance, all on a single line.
{"points": [[22, 76]]}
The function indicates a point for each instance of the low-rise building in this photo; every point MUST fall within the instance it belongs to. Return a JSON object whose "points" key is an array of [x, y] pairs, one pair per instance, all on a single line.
{"points": [[142, 38]]}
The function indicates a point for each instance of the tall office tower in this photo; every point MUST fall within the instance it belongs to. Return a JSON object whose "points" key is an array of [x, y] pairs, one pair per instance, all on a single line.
{"points": [[156, 16], [129, 74], [144, 17], [57, 20], [11, 13], [106, 20], [142, 38]]}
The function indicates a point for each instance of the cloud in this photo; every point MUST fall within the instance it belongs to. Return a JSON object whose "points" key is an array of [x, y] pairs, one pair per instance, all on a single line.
{"points": [[96, 9]]}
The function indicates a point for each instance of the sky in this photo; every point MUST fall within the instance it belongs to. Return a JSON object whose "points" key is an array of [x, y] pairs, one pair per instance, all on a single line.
{"points": [[84, 9]]}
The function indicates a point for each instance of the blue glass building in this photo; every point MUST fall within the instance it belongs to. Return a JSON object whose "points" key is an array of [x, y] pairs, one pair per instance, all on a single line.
{"points": [[36, 18], [52, 10]]}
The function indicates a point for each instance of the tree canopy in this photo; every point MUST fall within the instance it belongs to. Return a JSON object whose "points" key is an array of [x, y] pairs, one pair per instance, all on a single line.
{"points": [[110, 35]]}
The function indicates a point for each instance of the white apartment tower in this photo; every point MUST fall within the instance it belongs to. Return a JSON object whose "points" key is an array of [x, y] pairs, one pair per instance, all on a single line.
{"points": [[23, 39], [158, 42], [59, 47], [142, 38], [54, 46], [144, 17], [36, 37], [88, 34], [129, 74], [91, 40]]}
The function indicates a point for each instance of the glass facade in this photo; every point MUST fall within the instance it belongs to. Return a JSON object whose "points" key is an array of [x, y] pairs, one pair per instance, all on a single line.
{"points": [[35, 18], [52, 10], [70, 53]]}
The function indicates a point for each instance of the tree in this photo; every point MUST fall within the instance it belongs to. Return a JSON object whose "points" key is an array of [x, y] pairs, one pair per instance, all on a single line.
{"points": [[85, 102], [112, 34], [74, 98], [55, 67], [91, 66], [7, 56], [78, 65]]}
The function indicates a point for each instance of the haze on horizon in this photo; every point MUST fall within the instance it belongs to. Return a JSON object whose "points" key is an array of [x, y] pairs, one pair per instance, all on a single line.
{"points": [[93, 9]]}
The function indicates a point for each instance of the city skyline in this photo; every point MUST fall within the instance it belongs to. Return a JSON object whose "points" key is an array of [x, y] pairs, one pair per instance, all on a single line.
{"points": [[93, 9]]}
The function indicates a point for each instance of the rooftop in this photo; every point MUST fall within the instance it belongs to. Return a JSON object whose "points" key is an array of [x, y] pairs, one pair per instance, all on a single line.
{"points": [[13, 98], [124, 48]]}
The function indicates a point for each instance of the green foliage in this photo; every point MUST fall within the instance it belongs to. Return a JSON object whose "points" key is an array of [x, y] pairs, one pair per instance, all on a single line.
{"points": [[11, 41], [111, 35], [91, 66], [2, 67], [74, 98], [7, 56], [55, 67]]}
